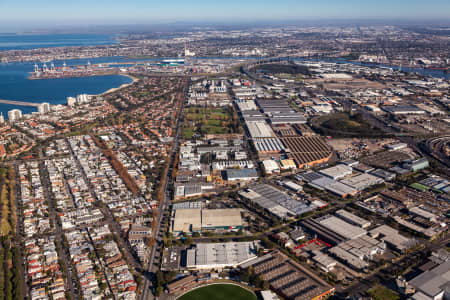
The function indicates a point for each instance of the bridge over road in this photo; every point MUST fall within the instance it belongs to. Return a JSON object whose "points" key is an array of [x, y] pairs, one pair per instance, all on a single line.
{"points": [[19, 103]]}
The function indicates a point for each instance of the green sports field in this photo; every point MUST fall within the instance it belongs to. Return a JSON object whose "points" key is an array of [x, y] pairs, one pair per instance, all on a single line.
{"points": [[219, 292]]}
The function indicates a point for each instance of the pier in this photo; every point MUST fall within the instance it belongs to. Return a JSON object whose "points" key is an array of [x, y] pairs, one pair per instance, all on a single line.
{"points": [[19, 103]]}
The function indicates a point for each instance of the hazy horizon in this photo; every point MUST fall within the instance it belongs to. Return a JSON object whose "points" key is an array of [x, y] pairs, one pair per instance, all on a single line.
{"points": [[114, 28], [47, 14]]}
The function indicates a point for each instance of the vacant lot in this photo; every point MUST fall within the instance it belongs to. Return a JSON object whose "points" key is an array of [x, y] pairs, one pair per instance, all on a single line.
{"points": [[282, 69], [380, 292], [344, 125]]}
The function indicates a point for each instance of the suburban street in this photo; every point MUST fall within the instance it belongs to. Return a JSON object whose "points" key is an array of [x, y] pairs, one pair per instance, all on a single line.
{"points": [[156, 251]]}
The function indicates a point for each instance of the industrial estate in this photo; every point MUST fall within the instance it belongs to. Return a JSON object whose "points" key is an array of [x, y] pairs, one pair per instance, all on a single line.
{"points": [[316, 169]]}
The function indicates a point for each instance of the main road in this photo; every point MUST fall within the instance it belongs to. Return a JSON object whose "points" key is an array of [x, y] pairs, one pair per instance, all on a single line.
{"points": [[164, 205]]}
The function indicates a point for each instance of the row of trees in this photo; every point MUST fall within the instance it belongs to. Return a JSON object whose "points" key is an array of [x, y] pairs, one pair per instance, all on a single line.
{"points": [[163, 278], [118, 166], [247, 275], [11, 270], [11, 285], [8, 213]]}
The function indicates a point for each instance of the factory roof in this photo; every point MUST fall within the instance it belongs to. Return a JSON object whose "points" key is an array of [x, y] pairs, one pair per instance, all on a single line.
{"points": [[273, 103], [433, 282], [196, 219], [237, 174], [213, 255], [341, 227], [246, 105], [259, 129], [221, 218], [403, 109], [354, 219], [362, 181], [325, 183], [268, 145], [288, 119], [391, 236], [187, 220], [270, 165], [275, 201], [337, 171]]}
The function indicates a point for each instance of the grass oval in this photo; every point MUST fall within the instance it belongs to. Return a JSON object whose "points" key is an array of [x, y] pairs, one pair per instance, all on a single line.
{"points": [[219, 292]]}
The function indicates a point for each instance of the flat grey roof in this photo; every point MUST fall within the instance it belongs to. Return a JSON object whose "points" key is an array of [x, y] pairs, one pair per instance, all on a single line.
{"points": [[433, 282]]}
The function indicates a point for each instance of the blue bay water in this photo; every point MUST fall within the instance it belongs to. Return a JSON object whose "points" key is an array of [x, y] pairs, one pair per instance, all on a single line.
{"points": [[14, 85], [33, 41]]}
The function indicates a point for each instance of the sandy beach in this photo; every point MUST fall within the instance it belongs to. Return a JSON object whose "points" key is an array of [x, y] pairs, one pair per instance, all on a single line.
{"points": [[122, 86]]}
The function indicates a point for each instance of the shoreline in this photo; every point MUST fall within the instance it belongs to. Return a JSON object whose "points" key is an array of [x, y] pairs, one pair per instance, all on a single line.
{"points": [[112, 90]]}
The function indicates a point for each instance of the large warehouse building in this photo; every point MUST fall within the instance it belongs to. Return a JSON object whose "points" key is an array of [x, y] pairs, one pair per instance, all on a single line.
{"points": [[307, 151], [196, 220], [341, 227], [220, 255]]}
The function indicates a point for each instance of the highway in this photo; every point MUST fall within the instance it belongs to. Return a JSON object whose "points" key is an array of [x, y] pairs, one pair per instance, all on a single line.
{"points": [[19, 103]]}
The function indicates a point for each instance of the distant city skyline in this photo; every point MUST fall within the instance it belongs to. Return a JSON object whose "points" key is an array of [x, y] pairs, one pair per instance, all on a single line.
{"points": [[25, 13]]}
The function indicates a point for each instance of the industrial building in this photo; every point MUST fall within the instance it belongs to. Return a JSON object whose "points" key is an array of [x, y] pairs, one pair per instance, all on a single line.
{"points": [[241, 174], [292, 186], [288, 118], [271, 166], [363, 168], [383, 174], [220, 255], [396, 146], [362, 182], [323, 232], [275, 201], [433, 284], [287, 164], [358, 251], [280, 112], [337, 172], [324, 262], [350, 162], [227, 164], [268, 145], [187, 220], [403, 110], [325, 183], [340, 227], [392, 238], [266, 203], [307, 151], [187, 205], [259, 129], [214, 219], [251, 116], [197, 220], [352, 219], [274, 104], [420, 212], [417, 165], [244, 105]]}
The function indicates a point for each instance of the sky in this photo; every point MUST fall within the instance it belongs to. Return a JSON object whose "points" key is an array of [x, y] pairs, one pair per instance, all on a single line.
{"points": [[79, 12]]}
